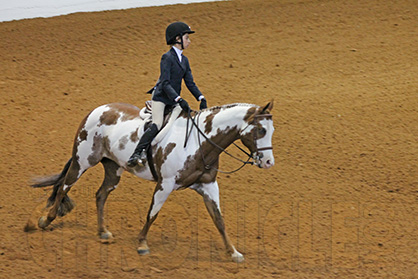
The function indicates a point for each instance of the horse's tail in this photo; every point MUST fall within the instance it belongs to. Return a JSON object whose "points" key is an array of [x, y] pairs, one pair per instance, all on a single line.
{"points": [[56, 180]]}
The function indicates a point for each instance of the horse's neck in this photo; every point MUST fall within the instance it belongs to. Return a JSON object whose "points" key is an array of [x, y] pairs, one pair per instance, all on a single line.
{"points": [[222, 125]]}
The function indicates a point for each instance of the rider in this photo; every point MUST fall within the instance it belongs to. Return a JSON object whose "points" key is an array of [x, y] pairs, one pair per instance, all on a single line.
{"points": [[174, 67]]}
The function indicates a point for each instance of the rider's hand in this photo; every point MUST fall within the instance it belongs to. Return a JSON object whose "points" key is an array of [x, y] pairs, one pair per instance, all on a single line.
{"points": [[203, 104], [184, 105]]}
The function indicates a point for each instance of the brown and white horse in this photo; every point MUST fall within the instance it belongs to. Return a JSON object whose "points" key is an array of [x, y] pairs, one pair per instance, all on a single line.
{"points": [[109, 134]]}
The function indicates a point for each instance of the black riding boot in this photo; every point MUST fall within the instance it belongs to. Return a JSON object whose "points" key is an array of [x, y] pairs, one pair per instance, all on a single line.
{"points": [[139, 156]]}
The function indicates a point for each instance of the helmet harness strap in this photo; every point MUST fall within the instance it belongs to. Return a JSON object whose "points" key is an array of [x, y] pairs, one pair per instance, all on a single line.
{"points": [[181, 41]]}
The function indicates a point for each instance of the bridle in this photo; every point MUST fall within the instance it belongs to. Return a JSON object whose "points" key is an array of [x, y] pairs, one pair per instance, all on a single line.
{"points": [[255, 156]]}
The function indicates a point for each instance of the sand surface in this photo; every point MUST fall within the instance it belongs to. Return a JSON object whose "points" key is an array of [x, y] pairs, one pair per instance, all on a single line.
{"points": [[341, 201]]}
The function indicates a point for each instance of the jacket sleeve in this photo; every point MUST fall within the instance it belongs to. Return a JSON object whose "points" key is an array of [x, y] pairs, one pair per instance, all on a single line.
{"points": [[165, 68], [191, 85]]}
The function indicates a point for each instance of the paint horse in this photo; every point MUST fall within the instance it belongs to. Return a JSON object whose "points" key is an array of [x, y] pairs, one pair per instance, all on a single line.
{"points": [[109, 134]]}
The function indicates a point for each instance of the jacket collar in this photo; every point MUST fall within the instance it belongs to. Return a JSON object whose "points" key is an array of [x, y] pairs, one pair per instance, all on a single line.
{"points": [[182, 65], [179, 52]]}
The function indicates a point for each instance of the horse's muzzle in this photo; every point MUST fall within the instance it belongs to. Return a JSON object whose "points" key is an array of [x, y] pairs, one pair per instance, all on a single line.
{"points": [[263, 162]]}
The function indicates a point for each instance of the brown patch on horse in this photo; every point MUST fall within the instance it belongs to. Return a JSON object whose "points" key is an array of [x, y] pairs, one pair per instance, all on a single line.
{"points": [[250, 114], [134, 136], [128, 112], [106, 143], [83, 135], [248, 140], [109, 117], [167, 150], [161, 156], [209, 120], [96, 155], [122, 142], [195, 170]]}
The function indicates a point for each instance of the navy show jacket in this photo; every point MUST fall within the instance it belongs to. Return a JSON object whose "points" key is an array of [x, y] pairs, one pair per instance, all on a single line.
{"points": [[172, 72]]}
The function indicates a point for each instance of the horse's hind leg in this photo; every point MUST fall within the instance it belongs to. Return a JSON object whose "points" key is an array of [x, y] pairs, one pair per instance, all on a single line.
{"points": [[113, 173], [73, 174], [210, 194]]}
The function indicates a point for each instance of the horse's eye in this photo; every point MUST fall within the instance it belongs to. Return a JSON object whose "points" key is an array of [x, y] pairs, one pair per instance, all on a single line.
{"points": [[262, 131]]}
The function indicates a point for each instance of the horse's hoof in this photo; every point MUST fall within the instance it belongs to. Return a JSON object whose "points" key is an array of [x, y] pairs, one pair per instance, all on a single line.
{"points": [[237, 257], [143, 251], [106, 237], [43, 222], [143, 248]]}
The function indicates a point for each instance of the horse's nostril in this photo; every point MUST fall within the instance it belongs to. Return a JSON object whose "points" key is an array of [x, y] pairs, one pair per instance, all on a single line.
{"points": [[268, 162]]}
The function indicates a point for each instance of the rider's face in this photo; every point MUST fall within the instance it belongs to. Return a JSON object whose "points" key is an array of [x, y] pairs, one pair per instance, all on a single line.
{"points": [[186, 41]]}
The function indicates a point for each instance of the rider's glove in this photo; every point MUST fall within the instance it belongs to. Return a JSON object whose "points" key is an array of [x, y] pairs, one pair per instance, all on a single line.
{"points": [[203, 104], [184, 105]]}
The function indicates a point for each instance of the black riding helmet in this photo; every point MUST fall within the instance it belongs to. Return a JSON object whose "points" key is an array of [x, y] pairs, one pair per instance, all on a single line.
{"points": [[177, 29]]}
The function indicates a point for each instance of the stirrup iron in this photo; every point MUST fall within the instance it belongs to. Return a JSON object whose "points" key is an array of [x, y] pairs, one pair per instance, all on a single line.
{"points": [[138, 159]]}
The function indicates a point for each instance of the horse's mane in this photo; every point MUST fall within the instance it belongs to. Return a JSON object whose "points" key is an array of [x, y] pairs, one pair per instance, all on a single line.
{"points": [[231, 106]]}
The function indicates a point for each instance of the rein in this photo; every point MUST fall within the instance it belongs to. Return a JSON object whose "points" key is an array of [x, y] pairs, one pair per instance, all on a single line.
{"points": [[209, 166]]}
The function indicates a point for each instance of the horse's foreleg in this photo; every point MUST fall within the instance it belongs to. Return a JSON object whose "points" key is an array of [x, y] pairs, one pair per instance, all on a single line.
{"points": [[210, 194], [71, 177], [113, 173], [160, 196]]}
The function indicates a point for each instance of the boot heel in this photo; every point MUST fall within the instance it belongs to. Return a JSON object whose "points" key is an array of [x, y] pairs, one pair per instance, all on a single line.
{"points": [[142, 158], [132, 162]]}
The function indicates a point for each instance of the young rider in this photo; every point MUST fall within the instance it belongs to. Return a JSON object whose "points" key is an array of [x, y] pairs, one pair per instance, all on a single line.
{"points": [[174, 67]]}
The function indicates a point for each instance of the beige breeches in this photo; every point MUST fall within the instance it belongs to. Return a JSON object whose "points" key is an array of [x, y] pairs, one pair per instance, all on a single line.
{"points": [[158, 113]]}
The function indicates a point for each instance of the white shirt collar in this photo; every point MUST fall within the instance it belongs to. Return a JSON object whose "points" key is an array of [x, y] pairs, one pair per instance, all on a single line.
{"points": [[179, 52]]}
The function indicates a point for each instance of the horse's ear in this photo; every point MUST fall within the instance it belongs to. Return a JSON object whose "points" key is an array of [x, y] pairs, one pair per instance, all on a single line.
{"points": [[267, 108]]}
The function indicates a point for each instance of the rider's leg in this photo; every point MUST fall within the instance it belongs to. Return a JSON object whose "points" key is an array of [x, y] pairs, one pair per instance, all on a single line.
{"points": [[139, 155], [158, 113]]}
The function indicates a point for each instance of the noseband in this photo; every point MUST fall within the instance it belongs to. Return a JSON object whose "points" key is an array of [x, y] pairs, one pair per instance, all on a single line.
{"points": [[256, 156]]}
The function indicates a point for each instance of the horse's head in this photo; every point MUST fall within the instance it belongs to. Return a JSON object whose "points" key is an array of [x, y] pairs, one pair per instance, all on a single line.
{"points": [[256, 134]]}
